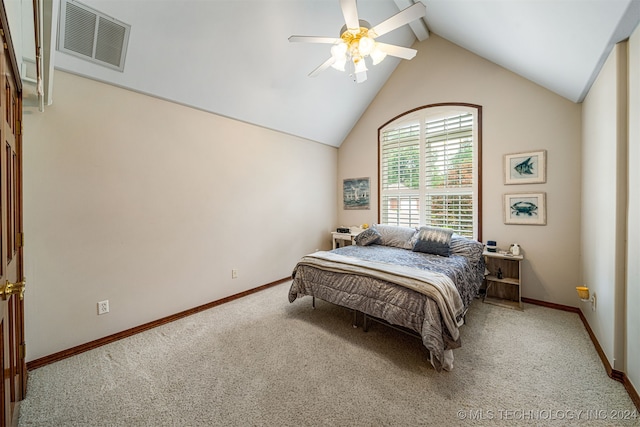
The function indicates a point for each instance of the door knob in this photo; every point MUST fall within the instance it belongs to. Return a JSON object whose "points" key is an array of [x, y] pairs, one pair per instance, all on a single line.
{"points": [[12, 288]]}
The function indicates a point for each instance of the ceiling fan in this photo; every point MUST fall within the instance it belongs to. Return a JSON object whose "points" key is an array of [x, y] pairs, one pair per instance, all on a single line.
{"points": [[357, 40]]}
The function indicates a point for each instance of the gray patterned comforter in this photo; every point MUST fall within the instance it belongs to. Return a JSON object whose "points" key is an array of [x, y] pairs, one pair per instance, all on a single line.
{"points": [[391, 302]]}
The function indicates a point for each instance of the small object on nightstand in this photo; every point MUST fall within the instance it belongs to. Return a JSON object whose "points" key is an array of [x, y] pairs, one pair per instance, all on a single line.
{"points": [[515, 249]]}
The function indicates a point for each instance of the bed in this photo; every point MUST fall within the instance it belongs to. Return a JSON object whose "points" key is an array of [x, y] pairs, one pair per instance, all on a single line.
{"points": [[421, 280]]}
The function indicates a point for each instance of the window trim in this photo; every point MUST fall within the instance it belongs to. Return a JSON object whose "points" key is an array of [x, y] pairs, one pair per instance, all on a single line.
{"points": [[478, 184]]}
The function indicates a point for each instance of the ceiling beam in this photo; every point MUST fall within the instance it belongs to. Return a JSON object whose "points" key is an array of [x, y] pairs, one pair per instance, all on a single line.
{"points": [[419, 26]]}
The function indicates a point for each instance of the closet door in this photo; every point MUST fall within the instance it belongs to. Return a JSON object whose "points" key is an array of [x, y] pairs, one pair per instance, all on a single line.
{"points": [[12, 346]]}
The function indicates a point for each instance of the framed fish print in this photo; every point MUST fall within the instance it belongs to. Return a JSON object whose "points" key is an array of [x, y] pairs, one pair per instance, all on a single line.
{"points": [[525, 209], [525, 168]]}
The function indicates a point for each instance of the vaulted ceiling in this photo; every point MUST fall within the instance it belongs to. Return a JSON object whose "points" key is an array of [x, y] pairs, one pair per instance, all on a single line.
{"points": [[232, 57]]}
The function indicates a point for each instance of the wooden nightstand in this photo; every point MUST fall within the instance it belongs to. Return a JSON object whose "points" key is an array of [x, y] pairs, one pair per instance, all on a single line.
{"points": [[349, 237], [503, 281]]}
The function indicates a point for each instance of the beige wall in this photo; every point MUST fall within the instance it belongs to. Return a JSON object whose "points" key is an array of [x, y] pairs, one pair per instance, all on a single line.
{"points": [[604, 203], [150, 205], [632, 356], [518, 116]]}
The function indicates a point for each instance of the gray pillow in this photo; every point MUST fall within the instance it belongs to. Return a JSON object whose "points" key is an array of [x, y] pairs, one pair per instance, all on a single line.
{"points": [[468, 248], [367, 237], [396, 236], [433, 240]]}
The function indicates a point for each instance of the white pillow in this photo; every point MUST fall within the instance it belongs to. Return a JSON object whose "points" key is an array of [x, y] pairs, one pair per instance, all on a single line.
{"points": [[396, 236]]}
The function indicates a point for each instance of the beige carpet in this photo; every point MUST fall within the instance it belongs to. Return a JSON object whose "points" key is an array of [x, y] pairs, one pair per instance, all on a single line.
{"points": [[260, 361]]}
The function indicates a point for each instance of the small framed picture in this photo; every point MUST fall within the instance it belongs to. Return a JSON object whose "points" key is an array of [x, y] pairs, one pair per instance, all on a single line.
{"points": [[356, 193], [525, 208], [525, 168]]}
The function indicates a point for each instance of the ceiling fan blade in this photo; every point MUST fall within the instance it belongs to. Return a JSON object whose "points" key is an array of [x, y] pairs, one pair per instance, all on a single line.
{"points": [[313, 39], [409, 14], [350, 13], [398, 51], [361, 77], [326, 64]]}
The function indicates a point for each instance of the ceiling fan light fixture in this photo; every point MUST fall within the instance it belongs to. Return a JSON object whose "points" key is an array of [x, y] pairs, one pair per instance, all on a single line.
{"points": [[339, 50], [365, 45], [339, 55], [340, 63], [377, 55], [357, 40]]}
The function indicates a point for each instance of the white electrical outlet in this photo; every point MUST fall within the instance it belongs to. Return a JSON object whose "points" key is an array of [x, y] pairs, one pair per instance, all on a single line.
{"points": [[103, 307], [234, 274]]}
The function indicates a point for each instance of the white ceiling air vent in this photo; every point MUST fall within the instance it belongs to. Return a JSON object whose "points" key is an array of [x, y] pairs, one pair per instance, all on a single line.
{"points": [[86, 33]]}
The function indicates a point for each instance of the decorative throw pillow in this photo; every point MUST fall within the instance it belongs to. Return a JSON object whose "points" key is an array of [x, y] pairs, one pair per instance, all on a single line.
{"points": [[466, 247], [433, 240], [367, 237], [396, 236]]}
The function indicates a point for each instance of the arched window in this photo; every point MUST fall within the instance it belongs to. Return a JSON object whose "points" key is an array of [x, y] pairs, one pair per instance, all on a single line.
{"points": [[430, 168]]}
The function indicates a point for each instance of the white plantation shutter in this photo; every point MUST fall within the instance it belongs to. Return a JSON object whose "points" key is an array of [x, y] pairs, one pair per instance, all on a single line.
{"points": [[400, 172], [428, 171], [401, 210], [449, 173]]}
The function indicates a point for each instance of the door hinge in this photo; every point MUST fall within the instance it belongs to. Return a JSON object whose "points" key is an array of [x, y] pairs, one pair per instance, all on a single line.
{"points": [[20, 240], [22, 350]]}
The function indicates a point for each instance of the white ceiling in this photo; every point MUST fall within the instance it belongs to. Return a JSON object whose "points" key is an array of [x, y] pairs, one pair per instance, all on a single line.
{"points": [[232, 57]]}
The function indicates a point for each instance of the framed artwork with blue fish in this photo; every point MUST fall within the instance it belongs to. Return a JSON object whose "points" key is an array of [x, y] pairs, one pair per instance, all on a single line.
{"points": [[525, 168], [525, 208], [356, 193]]}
